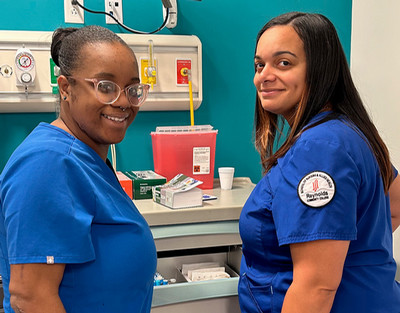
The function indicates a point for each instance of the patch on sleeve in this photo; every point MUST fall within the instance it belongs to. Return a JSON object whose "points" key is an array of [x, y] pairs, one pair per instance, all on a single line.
{"points": [[316, 189]]}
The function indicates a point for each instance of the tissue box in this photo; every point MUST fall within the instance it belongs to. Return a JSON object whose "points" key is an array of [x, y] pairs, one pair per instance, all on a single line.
{"points": [[179, 192], [142, 183]]}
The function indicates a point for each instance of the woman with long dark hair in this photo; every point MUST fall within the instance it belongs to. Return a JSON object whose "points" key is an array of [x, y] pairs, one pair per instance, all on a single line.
{"points": [[317, 229]]}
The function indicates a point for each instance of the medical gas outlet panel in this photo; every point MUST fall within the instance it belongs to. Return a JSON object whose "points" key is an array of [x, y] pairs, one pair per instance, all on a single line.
{"points": [[169, 63]]}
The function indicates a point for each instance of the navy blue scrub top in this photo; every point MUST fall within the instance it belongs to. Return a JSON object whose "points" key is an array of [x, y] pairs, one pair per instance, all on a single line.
{"points": [[327, 186]]}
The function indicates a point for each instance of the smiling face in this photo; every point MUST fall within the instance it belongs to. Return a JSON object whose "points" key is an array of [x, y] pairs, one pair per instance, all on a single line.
{"points": [[280, 64], [95, 123]]}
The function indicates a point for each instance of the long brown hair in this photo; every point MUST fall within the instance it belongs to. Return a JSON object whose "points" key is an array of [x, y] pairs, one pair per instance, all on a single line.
{"points": [[328, 81]]}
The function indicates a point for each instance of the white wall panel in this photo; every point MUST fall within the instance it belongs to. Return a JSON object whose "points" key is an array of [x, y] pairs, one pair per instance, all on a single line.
{"points": [[166, 95], [375, 65]]}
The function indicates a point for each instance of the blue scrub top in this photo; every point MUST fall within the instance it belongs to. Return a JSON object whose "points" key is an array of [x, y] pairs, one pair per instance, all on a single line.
{"points": [[61, 203], [327, 186]]}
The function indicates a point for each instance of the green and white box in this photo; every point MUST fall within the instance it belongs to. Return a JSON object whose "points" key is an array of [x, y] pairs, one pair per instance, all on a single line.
{"points": [[143, 181]]}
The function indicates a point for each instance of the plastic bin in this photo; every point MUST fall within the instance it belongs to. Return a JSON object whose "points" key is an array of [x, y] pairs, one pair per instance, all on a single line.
{"points": [[196, 297], [189, 150]]}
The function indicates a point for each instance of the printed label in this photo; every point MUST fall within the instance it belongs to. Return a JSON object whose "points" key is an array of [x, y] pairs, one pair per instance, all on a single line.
{"points": [[201, 160], [50, 259]]}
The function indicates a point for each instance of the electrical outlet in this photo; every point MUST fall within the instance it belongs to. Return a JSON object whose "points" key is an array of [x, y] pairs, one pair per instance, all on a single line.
{"points": [[73, 13], [113, 7]]}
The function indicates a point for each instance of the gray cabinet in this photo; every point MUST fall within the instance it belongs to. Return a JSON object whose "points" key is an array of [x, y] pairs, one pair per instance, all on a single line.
{"points": [[193, 235]]}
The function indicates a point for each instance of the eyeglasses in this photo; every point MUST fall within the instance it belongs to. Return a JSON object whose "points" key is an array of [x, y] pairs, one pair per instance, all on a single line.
{"points": [[108, 92]]}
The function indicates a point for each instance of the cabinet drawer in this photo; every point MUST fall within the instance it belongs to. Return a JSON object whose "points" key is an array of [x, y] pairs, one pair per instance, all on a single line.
{"points": [[189, 292]]}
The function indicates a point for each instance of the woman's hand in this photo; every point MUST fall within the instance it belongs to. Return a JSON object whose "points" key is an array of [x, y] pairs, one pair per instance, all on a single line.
{"points": [[317, 272], [34, 288]]}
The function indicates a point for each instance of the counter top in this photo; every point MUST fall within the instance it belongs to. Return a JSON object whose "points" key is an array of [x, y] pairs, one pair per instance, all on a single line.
{"points": [[226, 207]]}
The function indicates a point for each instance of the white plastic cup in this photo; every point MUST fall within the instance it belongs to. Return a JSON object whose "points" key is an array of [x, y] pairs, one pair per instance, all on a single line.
{"points": [[226, 177]]}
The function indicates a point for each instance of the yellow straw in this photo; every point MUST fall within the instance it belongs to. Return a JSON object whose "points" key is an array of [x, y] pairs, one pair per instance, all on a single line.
{"points": [[191, 98]]}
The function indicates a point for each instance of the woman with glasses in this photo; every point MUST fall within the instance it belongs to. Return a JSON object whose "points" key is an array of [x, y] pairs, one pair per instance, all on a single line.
{"points": [[317, 229], [71, 239]]}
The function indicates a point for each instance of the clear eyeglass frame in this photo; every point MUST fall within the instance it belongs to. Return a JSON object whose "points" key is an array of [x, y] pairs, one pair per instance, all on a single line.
{"points": [[108, 92]]}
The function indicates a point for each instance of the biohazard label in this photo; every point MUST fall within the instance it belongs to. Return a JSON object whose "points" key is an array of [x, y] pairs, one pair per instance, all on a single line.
{"points": [[201, 160], [316, 189]]}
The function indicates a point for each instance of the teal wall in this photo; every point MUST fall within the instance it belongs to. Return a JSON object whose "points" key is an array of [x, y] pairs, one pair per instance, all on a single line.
{"points": [[227, 30]]}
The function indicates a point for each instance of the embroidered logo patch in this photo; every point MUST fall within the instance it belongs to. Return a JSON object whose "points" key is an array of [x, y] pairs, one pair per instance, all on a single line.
{"points": [[316, 189]]}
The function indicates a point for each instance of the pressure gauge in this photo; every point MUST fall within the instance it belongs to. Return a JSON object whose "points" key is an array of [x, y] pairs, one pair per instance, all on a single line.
{"points": [[25, 67], [25, 61]]}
